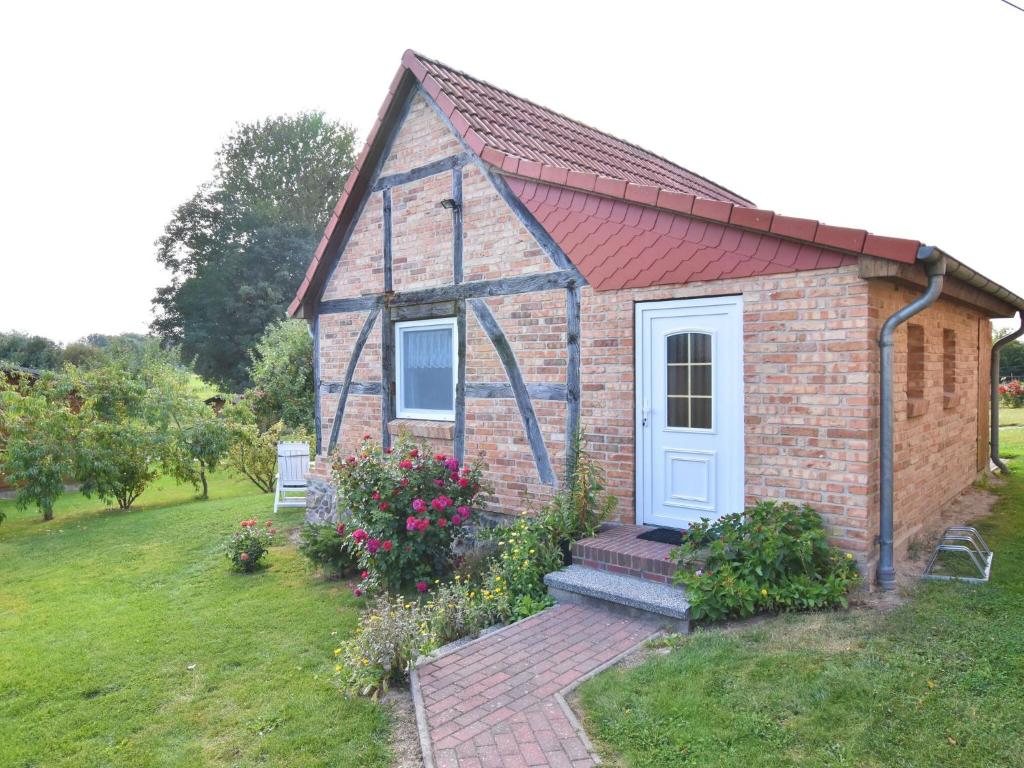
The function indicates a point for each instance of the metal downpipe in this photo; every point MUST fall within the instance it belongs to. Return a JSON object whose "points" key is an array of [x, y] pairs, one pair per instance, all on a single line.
{"points": [[993, 441], [935, 267]]}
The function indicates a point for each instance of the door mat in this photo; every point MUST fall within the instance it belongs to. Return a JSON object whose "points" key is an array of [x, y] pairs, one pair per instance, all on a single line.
{"points": [[663, 536]]}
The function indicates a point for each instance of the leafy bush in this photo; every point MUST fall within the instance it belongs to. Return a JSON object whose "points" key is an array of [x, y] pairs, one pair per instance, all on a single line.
{"points": [[37, 453], [327, 548], [386, 644], [579, 508], [773, 557], [459, 609], [406, 508], [526, 552], [247, 546], [1012, 394], [282, 376], [252, 451]]}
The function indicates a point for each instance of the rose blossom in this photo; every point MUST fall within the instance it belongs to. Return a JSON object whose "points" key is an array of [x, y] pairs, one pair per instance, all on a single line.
{"points": [[341, 529], [375, 495], [384, 506], [410, 523], [463, 511], [452, 464], [463, 482], [386, 546], [372, 546], [357, 592], [359, 534], [414, 453], [244, 556], [364, 575], [421, 586], [441, 522], [419, 505], [405, 464], [404, 482], [439, 482], [439, 457]]}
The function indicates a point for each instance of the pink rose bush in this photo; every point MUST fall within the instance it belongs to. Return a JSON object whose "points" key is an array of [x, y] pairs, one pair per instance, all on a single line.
{"points": [[247, 546], [1012, 394], [406, 506]]}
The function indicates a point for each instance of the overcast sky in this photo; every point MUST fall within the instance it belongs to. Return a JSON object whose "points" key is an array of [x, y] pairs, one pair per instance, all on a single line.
{"points": [[903, 118]]}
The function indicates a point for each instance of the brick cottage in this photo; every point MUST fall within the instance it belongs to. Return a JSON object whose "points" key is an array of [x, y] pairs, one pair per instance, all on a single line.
{"points": [[496, 274]]}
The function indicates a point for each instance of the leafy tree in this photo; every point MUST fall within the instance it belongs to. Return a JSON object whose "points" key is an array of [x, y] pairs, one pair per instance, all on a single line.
{"points": [[82, 355], [115, 460], [282, 375], [1011, 358], [18, 348], [38, 448], [253, 451], [238, 248]]}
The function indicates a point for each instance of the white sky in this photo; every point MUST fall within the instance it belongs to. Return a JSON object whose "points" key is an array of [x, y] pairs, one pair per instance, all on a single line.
{"points": [[904, 118]]}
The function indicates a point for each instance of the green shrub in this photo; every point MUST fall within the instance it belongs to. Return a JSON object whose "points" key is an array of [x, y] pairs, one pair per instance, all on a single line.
{"points": [[386, 644], [773, 557], [526, 552], [406, 507], [247, 546], [326, 547], [579, 507], [458, 609]]}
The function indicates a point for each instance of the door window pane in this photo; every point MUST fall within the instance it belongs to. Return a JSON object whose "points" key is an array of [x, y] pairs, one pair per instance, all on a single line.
{"points": [[426, 369], [688, 383]]}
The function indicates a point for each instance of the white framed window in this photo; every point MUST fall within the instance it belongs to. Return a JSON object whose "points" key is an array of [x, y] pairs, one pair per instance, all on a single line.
{"points": [[426, 354]]}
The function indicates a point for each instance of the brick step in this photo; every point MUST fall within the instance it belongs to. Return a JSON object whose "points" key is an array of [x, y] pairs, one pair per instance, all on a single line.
{"points": [[621, 594], [618, 550]]}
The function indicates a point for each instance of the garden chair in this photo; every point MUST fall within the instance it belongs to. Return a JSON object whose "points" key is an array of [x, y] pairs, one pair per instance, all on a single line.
{"points": [[292, 466]]}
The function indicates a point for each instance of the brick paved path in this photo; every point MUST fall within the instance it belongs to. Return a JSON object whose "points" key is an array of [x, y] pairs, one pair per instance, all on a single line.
{"points": [[493, 704]]}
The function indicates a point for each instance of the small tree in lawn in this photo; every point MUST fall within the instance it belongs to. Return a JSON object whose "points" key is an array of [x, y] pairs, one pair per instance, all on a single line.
{"points": [[37, 453], [198, 448], [252, 451], [117, 460]]}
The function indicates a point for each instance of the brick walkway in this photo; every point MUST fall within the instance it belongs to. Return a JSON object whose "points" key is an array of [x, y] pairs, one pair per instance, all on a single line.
{"points": [[495, 703]]}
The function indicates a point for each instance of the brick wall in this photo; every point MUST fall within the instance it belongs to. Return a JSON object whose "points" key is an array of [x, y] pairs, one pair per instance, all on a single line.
{"points": [[936, 437], [808, 420]]}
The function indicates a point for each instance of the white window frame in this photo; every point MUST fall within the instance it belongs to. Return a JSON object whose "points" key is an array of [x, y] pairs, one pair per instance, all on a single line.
{"points": [[424, 413]]}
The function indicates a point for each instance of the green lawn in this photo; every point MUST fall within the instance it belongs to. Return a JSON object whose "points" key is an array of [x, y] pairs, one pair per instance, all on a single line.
{"points": [[126, 641], [939, 682]]}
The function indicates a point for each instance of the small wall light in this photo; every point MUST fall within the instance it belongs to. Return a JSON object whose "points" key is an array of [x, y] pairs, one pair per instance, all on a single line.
{"points": [[449, 204]]}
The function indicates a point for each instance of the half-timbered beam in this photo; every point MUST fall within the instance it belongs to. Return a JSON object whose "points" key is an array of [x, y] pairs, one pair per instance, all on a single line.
{"points": [[422, 172], [572, 374], [459, 436], [357, 350], [387, 331], [519, 391], [475, 390], [316, 383], [475, 289]]}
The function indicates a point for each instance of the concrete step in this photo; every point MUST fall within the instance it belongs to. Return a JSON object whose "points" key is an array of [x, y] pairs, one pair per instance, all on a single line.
{"points": [[623, 594]]}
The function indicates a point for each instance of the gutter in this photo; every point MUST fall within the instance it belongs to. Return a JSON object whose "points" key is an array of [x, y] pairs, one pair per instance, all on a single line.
{"points": [[994, 395], [934, 262]]}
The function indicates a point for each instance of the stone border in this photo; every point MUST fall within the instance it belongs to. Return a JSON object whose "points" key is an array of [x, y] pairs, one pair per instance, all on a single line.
{"points": [[423, 727]]}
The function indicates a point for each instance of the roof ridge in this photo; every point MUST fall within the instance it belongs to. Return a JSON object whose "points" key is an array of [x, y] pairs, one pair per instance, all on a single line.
{"points": [[573, 120]]}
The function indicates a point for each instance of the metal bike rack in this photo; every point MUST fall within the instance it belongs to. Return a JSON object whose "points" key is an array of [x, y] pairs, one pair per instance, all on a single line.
{"points": [[967, 540]]}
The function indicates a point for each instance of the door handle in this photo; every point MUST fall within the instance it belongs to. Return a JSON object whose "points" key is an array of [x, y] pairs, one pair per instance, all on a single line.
{"points": [[646, 412]]}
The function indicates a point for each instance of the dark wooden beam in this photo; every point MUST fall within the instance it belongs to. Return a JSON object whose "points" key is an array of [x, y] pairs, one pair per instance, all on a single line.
{"points": [[572, 373], [316, 384], [475, 390], [475, 289], [423, 311], [459, 433], [422, 172], [353, 304], [519, 391], [386, 198], [491, 390], [354, 388], [357, 350]]}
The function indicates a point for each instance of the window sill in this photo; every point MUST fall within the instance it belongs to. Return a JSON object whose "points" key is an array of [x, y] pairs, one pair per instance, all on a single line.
{"points": [[916, 406], [433, 430]]}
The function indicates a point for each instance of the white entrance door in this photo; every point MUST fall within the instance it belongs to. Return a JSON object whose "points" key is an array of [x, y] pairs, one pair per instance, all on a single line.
{"points": [[689, 410]]}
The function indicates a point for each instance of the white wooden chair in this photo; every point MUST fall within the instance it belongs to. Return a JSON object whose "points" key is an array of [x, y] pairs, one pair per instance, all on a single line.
{"points": [[292, 466]]}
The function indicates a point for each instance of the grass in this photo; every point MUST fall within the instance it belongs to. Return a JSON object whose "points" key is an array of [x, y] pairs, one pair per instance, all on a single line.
{"points": [[936, 682], [1011, 417], [126, 641]]}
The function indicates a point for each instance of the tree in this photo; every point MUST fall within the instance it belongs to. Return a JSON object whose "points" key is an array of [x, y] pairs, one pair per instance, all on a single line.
{"points": [[238, 248], [18, 348], [40, 435], [253, 451], [115, 460], [282, 376]]}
